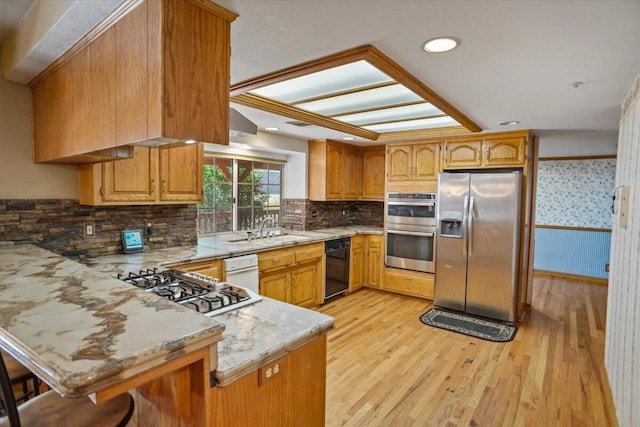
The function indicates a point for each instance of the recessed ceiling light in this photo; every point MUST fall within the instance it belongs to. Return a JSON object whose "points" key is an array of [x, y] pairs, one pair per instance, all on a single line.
{"points": [[190, 141], [509, 123], [272, 128], [348, 138], [440, 44]]}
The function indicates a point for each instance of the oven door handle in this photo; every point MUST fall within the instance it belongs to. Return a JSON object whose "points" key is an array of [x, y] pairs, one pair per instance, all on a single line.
{"points": [[411, 204], [410, 233]]}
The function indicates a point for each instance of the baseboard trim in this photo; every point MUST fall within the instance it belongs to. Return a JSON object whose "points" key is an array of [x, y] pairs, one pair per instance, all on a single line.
{"points": [[609, 406], [590, 280]]}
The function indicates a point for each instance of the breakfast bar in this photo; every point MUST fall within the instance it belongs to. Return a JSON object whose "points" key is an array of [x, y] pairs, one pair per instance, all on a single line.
{"points": [[86, 333]]}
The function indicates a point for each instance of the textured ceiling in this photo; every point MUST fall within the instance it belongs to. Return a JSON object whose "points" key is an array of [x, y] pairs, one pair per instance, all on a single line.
{"points": [[517, 59]]}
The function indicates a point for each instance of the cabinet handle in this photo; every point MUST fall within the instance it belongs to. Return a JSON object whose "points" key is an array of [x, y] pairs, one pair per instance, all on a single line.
{"points": [[277, 259], [153, 186], [102, 191], [164, 186]]}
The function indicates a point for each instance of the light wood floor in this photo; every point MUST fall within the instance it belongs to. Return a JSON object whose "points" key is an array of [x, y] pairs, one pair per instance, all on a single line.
{"points": [[385, 368]]}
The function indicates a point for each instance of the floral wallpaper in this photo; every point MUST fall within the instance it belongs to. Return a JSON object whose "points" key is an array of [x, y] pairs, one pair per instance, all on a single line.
{"points": [[575, 193]]}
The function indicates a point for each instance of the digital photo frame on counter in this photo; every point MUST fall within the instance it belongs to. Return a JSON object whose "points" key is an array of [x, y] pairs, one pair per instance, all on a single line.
{"points": [[132, 241]]}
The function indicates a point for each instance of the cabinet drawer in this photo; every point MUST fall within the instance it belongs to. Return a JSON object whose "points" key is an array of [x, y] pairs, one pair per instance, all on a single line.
{"points": [[309, 252], [411, 283], [357, 242], [275, 259], [375, 241], [211, 268]]}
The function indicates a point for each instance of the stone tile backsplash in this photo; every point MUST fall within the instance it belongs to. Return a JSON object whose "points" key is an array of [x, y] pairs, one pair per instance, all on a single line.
{"points": [[300, 214], [57, 225]]}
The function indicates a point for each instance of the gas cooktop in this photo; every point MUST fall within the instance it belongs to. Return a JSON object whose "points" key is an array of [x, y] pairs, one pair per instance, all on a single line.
{"points": [[196, 291]]}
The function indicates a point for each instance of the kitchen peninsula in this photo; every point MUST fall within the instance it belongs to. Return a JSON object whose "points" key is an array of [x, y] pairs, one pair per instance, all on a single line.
{"points": [[87, 333]]}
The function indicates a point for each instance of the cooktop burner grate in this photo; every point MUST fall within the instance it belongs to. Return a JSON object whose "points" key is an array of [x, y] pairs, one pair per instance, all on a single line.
{"points": [[195, 291]]}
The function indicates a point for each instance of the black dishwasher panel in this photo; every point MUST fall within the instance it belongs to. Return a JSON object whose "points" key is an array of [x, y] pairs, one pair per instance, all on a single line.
{"points": [[337, 267]]}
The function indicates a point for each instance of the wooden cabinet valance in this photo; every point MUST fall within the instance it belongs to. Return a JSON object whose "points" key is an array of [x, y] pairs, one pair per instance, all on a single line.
{"points": [[161, 72]]}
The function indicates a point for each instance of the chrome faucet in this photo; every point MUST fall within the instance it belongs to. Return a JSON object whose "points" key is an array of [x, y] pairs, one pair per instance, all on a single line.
{"points": [[262, 223]]}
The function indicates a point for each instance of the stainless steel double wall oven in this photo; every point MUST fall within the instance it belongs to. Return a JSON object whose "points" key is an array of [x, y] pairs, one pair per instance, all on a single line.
{"points": [[410, 231]]}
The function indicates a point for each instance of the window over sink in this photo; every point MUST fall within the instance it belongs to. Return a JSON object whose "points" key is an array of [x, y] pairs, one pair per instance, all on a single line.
{"points": [[239, 193]]}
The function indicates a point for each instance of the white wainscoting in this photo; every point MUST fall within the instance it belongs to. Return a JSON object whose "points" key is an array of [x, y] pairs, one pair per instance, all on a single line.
{"points": [[622, 350]]}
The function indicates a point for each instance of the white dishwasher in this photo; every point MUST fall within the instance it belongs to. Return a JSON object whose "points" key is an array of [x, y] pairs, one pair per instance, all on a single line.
{"points": [[242, 271]]}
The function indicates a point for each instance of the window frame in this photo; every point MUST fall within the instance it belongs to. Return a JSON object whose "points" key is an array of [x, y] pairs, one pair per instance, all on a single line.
{"points": [[235, 189]]}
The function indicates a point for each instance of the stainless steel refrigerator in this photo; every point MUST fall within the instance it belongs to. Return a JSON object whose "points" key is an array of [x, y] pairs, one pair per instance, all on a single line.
{"points": [[477, 243]]}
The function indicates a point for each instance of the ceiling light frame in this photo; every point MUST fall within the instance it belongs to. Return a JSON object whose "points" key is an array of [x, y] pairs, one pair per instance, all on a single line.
{"points": [[241, 94]]}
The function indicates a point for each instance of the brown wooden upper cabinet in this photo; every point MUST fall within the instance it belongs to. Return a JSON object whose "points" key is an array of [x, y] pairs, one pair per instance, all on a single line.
{"points": [[414, 162], [153, 175], [487, 152], [161, 72], [373, 173], [336, 172]]}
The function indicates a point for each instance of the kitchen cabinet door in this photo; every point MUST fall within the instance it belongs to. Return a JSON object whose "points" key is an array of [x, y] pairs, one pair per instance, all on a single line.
{"points": [[414, 162], [276, 286], [409, 282], [181, 173], [304, 285], [504, 152], [352, 164], [356, 267], [131, 180], [462, 154], [373, 174], [400, 162], [426, 161], [335, 172], [374, 261]]}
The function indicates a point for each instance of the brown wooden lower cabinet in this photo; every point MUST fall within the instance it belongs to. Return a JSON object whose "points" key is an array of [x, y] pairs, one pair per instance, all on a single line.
{"points": [[293, 275], [409, 282], [295, 396], [373, 261], [181, 394], [211, 268]]}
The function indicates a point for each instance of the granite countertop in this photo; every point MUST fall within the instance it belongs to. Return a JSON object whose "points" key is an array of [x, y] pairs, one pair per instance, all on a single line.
{"points": [[81, 330], [258, 333], [218, 246], [255, 334], [262, 332]]}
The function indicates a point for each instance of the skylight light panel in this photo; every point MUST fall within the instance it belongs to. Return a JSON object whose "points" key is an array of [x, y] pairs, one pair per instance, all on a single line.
{"points": [[368, 99], [435, 122], [405, 112], [338, 79]]}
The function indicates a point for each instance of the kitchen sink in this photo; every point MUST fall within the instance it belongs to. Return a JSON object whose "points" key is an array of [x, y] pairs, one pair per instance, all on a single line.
{"points": [[279, 236]]}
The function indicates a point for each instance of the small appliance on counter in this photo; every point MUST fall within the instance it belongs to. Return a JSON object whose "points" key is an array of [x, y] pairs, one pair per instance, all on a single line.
{"points": [[132, 241], [196, 291]]}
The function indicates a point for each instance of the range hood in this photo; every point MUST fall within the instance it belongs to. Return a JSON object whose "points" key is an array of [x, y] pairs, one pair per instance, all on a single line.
{"points": [[240, 126]]}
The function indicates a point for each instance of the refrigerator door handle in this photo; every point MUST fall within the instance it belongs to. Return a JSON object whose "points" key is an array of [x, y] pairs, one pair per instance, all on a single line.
{"points": [[465, 211], [470, 226]]}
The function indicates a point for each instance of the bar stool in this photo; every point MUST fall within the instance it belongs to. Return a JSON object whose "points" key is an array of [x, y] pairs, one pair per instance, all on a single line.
{"points": [[51, 409], [20, 375]]}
